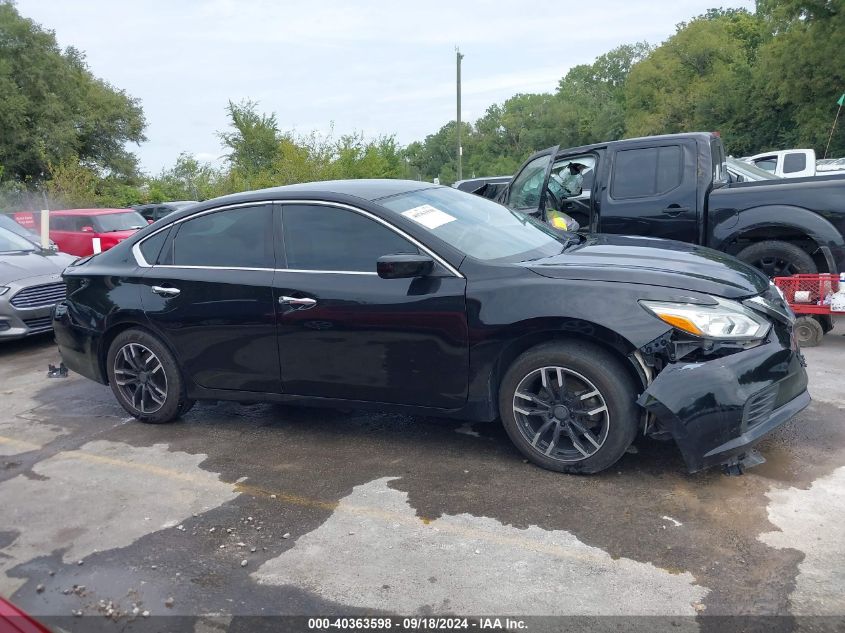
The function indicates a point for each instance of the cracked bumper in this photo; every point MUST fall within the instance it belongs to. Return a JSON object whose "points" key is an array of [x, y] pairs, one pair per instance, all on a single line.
{"points": [[718, 409]]}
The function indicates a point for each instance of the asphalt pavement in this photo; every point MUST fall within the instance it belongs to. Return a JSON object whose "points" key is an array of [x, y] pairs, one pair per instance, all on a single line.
{"points": [[268, 510]]}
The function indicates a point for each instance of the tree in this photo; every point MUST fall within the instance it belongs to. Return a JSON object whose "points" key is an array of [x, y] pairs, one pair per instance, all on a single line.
{"points": [[699, 79], [595, 95], [188, 179], [52, 108], [254, 140], [800, 74]]}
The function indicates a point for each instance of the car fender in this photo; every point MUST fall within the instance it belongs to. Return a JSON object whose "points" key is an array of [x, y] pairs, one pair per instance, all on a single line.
{"points": [[782, 217], [505, 321]]}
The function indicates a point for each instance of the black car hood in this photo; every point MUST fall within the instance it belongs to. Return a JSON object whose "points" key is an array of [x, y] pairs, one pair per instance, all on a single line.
{"points": [[20, 265], [655, 262]]}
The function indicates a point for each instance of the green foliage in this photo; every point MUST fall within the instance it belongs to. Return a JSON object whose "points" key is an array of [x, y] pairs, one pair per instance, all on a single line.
{"points": [[800, 73], [52, 108], [699, 79], [254, 140], [765, 80]]}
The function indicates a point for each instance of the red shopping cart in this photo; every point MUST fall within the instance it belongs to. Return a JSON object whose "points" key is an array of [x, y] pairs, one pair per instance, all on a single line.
{"points": [[814, 299]]}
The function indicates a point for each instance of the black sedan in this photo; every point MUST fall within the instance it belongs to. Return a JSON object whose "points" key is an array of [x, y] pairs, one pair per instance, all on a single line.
{"points": [[420, 298]]}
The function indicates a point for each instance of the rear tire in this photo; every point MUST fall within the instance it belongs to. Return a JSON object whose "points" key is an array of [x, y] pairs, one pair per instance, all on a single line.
{"points": [[778, 259], [582, 426], [145, 378], [808, 331]]}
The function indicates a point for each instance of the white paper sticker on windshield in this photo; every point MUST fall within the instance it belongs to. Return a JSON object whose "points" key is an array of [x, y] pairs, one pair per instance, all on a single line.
{"points": [[429, 216]]}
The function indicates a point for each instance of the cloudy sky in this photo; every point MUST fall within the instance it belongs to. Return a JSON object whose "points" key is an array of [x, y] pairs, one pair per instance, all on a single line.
{"points": [[373, 66]]}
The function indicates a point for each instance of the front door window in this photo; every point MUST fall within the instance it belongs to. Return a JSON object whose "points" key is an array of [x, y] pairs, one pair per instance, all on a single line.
{"points": [[328, 238], [527, 188]]}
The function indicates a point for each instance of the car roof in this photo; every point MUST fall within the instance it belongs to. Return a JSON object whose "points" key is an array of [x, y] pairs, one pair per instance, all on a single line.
{"points": [[583, 149], [366, 189], [90, 211], [168, 203]]}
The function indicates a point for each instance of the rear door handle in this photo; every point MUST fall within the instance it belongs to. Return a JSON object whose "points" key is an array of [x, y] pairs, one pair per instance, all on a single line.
{"points": [[165, 292], [673, 211], [299, 302]]}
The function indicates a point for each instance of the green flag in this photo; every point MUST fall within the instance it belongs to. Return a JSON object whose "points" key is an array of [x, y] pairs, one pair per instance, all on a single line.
{"points": [[841, 101]]}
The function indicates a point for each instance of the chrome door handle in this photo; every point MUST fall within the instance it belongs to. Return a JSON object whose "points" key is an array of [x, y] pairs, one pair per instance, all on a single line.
{"points": [[165, 292], [300, 302]]}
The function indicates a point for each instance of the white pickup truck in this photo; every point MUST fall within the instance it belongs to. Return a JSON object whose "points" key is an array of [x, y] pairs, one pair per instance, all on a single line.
{"points": [[786, 163]]}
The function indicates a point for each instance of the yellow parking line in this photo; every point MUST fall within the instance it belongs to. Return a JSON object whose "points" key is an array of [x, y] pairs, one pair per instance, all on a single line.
{"points": [[468, 533], [26, 446]]}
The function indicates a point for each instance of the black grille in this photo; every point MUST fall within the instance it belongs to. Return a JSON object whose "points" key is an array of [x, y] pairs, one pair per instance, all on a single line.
{"points": [[759, 407], [39, 296], [41, 324]]}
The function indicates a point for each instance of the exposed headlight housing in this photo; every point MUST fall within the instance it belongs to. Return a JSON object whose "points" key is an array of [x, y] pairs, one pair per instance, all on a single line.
{"points": [[725, 321]]}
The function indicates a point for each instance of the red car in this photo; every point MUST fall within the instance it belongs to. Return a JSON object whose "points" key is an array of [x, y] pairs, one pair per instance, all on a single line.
{"points": [[86, 231], [13, 620]]}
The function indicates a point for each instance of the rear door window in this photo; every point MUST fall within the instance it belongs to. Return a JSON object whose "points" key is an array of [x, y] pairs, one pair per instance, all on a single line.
{"points": [[793, 163], [151, 247], [230, 238], [60, 223], [646, 172]]}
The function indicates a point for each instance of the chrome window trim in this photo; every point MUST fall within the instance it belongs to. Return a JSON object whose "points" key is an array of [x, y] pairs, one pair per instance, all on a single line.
{"points": [[143, 263], [277, 270], [213, 267], [325, 272], [136, 247]]}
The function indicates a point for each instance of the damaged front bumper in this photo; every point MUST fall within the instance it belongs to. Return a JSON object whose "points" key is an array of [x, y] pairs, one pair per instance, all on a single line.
{"points": [[718, 409]]}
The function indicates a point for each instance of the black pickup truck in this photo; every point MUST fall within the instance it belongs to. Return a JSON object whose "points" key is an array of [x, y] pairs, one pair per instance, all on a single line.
{"points": [[677, 186]]}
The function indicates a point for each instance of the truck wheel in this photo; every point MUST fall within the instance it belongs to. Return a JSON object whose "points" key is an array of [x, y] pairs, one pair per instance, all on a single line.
{"points": [[778, 259], [808, 331], [569, 407]]}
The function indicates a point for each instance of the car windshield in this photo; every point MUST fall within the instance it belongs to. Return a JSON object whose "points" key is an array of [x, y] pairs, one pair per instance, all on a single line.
{"points": [[12, 243], [749, 171], [124, 221], [481, 228]]}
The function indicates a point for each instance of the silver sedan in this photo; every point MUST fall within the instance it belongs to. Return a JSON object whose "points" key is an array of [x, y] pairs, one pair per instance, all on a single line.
{"points": [[30, 285]]}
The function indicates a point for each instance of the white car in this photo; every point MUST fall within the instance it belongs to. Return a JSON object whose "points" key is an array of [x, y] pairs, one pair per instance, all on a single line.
{"points": [[787, 163]]}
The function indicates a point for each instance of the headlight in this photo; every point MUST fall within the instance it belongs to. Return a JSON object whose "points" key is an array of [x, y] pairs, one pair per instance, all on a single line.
{"points": [[727, 320], [3, 290]]}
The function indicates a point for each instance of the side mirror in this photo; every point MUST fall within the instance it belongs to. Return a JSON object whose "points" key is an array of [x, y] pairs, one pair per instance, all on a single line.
{"points": [[87, 229], [150, 221], [404, 266]]}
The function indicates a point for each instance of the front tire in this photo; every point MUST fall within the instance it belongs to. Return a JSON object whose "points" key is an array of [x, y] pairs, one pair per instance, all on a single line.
{"points": [[145, 378], [569, 407]]}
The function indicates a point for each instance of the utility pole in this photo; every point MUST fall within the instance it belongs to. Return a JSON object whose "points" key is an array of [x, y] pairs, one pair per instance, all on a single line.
{"points": [[460, 149], [840, 103]]}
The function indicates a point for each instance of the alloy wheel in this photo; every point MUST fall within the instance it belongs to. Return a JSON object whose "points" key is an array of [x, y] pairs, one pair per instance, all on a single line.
{"points": [[561, 413], [775, 267], [140, 378]]}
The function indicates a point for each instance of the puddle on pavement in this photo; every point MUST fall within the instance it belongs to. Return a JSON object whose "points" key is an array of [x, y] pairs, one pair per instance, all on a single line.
{"points": [[104, 495], [447, 474], [373, 551], [811, 522]]}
